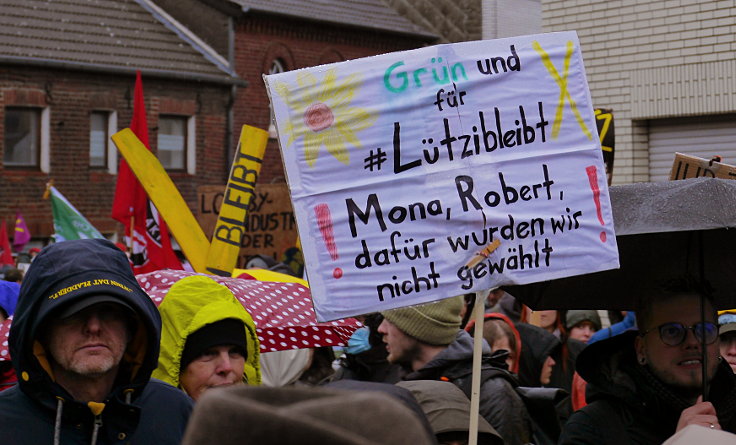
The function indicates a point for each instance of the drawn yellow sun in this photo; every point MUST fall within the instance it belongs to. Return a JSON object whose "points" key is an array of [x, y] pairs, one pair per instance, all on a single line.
{"points": [[320, 112]]}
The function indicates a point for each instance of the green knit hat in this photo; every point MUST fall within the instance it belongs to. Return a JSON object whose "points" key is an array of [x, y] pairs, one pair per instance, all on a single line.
{"points": [[435, 323]]}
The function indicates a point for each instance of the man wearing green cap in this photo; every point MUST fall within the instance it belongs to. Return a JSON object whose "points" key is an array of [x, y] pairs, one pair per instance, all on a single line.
{"points": [[428, 342]]}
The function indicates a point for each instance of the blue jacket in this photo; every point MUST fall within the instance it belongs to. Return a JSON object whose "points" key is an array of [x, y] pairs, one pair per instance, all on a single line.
{"points": [[137, 410]]}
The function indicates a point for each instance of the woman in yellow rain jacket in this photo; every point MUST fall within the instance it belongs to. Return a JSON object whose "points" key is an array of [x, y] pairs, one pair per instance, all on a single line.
{"points": [[207, 338]]}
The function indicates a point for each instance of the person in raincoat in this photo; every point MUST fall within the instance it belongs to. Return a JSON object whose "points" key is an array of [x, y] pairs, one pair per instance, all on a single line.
{"points": [[644, 386], [84, 340], [208, 339]]}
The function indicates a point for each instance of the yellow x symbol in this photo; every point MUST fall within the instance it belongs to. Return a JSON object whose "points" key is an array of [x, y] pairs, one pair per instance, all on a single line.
{"points": [[564, 93]]}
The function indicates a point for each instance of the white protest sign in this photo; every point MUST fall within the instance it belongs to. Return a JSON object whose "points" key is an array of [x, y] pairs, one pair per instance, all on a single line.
{"points": [[403, 166]]}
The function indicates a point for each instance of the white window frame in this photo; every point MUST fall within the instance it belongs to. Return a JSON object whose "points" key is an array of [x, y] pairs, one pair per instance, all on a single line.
{"points": [[44, 150], [111, 152], [190, 143], [191, 147]]}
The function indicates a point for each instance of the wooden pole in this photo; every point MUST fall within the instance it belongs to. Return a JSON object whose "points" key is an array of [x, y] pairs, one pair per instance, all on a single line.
{"points": [[478, 313]]}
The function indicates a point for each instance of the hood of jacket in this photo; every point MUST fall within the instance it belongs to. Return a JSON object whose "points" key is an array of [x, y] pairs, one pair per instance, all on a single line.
{"points": [[459, 352], [61, 275], [610, 368], [536, 345], [190, 304], [606, 366]]}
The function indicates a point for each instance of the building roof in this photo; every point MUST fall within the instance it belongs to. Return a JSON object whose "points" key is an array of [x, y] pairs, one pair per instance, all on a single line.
{"points": [[117, 36], [368, 14]]}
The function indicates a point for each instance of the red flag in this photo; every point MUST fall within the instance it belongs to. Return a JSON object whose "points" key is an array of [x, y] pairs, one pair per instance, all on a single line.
{"points": [[151, 243], [7, 256], [21, 234]]}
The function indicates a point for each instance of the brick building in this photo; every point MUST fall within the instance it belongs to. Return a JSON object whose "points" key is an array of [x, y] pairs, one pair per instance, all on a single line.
{"points": [[67, 71], [67, 75], [267, 36], [667, 68]]}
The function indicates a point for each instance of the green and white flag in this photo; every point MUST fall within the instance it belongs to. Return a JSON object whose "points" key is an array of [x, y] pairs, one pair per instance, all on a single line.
{"points": [[69, 224]]}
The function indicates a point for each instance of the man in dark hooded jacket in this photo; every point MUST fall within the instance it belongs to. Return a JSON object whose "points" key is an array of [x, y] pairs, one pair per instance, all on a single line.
{"points": [[644, 386], [84, 341], [428, 341]]}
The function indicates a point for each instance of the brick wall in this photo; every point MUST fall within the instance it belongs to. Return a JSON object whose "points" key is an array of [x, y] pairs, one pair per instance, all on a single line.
{"points": [[261, 39], [71, 97], [452, 20], [624, 40]]}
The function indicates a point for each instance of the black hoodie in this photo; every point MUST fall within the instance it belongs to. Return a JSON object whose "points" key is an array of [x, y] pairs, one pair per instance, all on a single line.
{"points": [[627, 405], [61, 275], [536, 345]]}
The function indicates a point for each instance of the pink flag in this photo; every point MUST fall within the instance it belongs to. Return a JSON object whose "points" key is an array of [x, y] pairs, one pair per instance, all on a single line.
{"points": [[22, 234]]}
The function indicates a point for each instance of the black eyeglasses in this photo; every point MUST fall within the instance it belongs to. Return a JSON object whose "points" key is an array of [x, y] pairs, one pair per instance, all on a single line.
{"points": [[672, 334]]}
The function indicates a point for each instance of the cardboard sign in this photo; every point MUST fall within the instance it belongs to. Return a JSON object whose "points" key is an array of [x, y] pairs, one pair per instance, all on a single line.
{"points": [[270, 226], [404, 168], [230, 227], [686, 166]]}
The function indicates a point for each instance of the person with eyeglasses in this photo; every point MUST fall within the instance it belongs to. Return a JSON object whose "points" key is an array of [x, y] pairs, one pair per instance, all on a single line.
{"points": [[645, 385]]}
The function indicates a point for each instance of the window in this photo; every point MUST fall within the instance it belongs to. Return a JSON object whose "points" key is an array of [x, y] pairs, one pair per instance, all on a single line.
{"points": [[98, 124], [176, 149], [22, 136], [278, 66]]}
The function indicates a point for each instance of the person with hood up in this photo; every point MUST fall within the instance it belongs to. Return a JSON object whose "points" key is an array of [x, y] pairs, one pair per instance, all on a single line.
{"points": [[538, 346], [582, 324], [84, 341], [208, 339], [727, 335], [645, 385], [448, 412], [428, 341], [501, 334]]}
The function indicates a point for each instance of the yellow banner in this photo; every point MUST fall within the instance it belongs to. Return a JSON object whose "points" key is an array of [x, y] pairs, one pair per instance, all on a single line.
{"points": [[230, 227], [165, 196]]}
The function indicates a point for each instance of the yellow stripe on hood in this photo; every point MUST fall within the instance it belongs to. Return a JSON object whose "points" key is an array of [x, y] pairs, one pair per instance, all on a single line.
{"points": [[190, 304]]}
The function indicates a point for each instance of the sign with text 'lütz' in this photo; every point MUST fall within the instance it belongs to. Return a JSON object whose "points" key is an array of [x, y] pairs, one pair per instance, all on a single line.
{"points": [[688, 166], [403, 168]]}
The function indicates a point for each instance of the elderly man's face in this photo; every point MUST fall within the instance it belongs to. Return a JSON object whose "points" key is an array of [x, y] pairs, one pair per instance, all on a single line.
{"points": [[218, 366], [401, 348], [679, 366], [728, 348], [89, 343]]}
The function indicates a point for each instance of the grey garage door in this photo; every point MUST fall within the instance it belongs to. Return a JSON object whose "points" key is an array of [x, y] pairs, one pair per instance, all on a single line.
{"points": [[702, 136]]}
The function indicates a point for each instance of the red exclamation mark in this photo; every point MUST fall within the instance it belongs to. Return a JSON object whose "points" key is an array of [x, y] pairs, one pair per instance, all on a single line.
{"points": [[593, 179], [324, 222]]}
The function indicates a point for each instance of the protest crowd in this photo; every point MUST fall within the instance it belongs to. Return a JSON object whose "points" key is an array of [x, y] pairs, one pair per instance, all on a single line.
{"points": [[95, 361], [377, 327]]}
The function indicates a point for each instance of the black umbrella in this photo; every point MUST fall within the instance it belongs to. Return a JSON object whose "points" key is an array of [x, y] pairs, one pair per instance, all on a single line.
{"points": [[663, 230]]}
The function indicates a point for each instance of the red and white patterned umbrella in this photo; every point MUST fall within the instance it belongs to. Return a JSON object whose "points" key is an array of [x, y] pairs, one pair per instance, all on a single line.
{"points": [[283, 312], [4, 332]]}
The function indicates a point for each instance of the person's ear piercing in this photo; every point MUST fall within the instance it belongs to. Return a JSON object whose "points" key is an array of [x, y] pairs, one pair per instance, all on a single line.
{"points": [[642, 361]]}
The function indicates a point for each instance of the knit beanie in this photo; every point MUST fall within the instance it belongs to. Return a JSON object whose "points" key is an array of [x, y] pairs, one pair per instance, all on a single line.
{"points": [[435, 323], [578, 316], [228, 332]]}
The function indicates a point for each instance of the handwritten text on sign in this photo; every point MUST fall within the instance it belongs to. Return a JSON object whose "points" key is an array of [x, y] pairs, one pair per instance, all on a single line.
{"points": [[402, 167]]}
